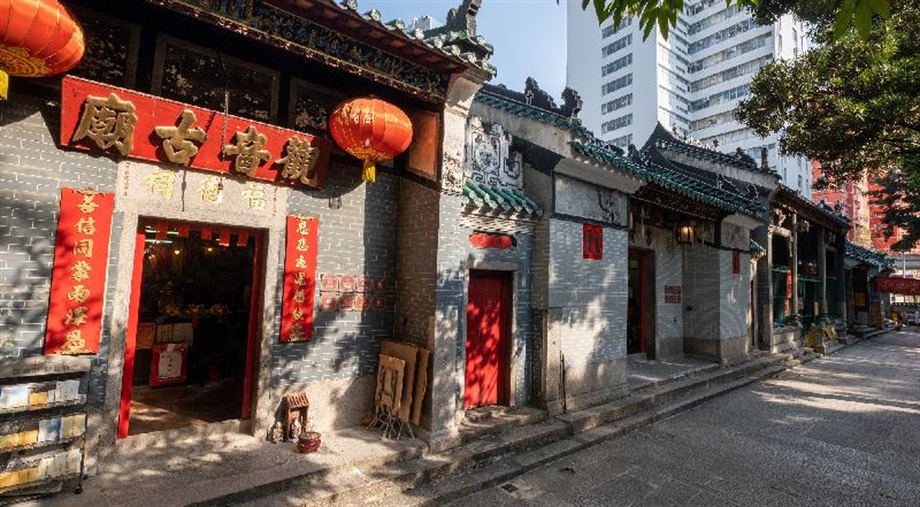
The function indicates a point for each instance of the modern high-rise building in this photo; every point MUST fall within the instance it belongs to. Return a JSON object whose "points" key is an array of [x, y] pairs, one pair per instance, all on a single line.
{"points": [[690, 82]]}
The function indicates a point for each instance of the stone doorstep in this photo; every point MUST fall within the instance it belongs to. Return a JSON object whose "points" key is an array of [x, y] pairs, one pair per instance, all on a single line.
{"points": [[514, 448]]}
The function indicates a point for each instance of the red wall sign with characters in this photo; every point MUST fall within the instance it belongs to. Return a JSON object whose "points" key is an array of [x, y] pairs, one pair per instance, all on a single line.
{"points": [[81, 253], [99, 117], [299, 279]]}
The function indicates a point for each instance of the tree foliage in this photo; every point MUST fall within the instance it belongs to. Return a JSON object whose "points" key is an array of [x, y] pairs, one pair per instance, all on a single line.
{"points": [[900, 198], [850, 103], [662, 14]]}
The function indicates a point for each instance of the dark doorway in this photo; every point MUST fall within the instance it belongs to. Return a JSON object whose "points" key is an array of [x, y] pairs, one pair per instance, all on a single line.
{"points": [[638, 301], [487, 330], [196, 311]]}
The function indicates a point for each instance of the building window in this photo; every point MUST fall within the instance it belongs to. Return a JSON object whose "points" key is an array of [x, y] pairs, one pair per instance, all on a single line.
{"points": [[615, 104], [592, 242], [617, 123], [609, 30], [616, 65], [736, 262], [622, 141], [616, 84], [616, 45]]}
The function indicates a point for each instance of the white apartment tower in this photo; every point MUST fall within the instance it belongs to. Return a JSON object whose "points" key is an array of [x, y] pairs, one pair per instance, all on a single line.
{"points": [[690, 82]]}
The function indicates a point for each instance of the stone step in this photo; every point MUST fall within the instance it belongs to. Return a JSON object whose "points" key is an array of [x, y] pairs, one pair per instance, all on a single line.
{"points": [[511, 449], [501, 471]]}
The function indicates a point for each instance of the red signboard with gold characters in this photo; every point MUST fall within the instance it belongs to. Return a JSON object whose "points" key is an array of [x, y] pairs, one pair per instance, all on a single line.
{"points": [[299, 279], [99, 117], [81, 252]]}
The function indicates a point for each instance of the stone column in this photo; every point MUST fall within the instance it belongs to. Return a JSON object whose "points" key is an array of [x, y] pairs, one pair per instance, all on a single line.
{"points": [[841, 244], [763, 235], [794, 266], [449, 318], [822, 272]]}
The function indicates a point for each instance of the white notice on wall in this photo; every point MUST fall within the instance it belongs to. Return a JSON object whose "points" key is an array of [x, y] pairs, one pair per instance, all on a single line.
{"points": [[170, 363]]}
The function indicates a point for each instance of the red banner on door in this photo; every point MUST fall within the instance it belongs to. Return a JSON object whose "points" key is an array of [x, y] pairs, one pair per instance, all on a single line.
{"points": [[81, 252], [299, 279], [898, 285], [96, 116]]}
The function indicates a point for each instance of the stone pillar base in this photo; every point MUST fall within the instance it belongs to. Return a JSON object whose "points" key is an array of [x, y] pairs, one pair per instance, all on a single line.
{"points": [[443, 439]]}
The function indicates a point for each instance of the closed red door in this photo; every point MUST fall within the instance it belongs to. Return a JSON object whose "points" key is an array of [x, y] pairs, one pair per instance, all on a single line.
{"points": [[486, 328]]}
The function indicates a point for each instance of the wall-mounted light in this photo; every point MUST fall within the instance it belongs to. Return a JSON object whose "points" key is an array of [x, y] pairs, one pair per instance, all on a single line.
{"points": [[686, 233], [176, 251]]}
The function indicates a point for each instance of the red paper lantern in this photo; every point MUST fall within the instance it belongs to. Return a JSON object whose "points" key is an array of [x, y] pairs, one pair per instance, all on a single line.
{"points": [[370, 129], [38, 38]]}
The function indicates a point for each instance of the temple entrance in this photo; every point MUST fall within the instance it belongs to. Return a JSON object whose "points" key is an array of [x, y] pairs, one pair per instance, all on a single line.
{"points": [[487, 330], [637, 311], [194, 318]]}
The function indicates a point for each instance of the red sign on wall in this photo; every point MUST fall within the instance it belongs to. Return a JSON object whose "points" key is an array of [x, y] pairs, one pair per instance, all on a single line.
{"points": [[96, 116], [486, 240], [788, 284], [299, 279], [898, 285], [592, 242], [672, 293], [81, 252]]}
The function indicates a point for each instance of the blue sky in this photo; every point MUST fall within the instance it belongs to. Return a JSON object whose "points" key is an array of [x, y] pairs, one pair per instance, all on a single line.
{"points": [[528, 35]]}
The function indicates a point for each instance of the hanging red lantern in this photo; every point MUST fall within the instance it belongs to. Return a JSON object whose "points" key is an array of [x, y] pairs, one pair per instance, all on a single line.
{"points": [[370, 129], [38, 38]]}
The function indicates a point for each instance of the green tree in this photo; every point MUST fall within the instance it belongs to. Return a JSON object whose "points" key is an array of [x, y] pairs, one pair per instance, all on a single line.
{"points": [[852, 103], [899, 196], [663, 13]]}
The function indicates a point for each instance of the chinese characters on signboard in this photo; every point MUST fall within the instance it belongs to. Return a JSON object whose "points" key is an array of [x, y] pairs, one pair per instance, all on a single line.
{"points": [[299, 279], [81, 249], [100, 117]]}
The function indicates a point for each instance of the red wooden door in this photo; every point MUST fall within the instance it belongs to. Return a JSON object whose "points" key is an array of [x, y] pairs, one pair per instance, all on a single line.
{"points": [[486, 332]]}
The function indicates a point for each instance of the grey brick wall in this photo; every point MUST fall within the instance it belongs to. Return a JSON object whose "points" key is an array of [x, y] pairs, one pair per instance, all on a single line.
{"points": [[416, 278], [592, 294], [702, 276], [669, 317], [32, 172], [358, 238]]}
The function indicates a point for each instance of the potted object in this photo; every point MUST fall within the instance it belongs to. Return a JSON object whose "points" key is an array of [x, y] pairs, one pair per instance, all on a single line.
{"points": [[308, 442]]}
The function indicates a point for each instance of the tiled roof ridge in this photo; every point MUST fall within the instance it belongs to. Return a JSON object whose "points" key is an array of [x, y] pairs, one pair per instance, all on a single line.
{"points": [[644, 169], [439, 39], [500, 200], [823, 209], [662, 137], [492, 95], [868, 255]]}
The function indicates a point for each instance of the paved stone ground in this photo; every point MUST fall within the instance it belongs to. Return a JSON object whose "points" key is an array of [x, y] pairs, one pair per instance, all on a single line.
{"points": [[843, 430]]}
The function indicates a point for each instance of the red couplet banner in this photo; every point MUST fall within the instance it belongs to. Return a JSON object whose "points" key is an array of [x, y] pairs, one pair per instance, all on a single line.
{"points": [[299, 279], [81, 253]]}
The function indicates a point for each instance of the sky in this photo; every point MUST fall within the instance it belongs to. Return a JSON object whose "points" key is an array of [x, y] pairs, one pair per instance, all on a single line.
{"points": [[528, 35]]}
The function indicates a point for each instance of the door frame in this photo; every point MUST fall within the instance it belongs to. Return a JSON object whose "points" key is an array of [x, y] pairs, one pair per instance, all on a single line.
{"points": [[252, 338], [506, 388]]}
